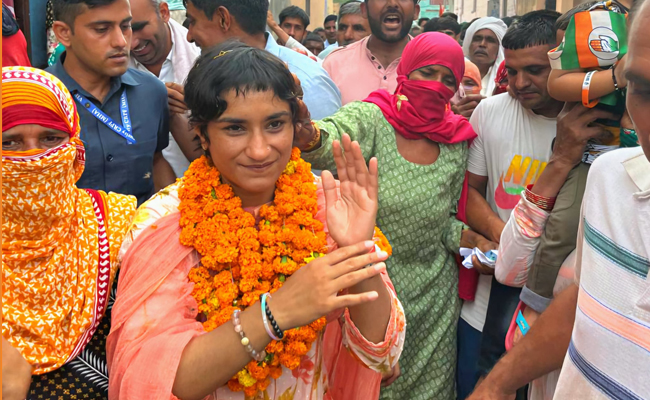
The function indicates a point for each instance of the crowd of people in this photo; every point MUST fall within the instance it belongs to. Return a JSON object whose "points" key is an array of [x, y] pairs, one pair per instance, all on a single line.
{"points": [[224, 205]]}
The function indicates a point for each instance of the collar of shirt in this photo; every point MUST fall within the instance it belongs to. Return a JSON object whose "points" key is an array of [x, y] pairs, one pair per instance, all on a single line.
{"points": [[373, 59], [271, 45], [116, 82], [167, 69], [638, 168]]}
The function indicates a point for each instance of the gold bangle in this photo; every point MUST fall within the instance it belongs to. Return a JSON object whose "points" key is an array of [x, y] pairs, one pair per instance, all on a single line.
{"points": [[316, 140]]}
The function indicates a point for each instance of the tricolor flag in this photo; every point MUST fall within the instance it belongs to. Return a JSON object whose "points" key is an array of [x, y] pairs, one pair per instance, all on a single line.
{"points": [[594, 39]]}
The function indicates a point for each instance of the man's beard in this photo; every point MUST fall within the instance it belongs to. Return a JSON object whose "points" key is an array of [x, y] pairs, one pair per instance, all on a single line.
{"points": [[375, 28]]}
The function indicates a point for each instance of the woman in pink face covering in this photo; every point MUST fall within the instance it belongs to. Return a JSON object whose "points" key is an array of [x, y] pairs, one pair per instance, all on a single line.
{"points": [[422, 150]]}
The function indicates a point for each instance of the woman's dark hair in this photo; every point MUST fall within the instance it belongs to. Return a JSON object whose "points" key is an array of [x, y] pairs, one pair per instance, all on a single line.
{"points": [[235, 66]]}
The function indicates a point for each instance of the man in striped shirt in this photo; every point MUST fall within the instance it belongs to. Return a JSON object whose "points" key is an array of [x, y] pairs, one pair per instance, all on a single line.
{"points": [[598, 330]]}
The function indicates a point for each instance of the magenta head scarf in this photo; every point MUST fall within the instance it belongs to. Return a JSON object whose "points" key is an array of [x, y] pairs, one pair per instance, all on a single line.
{"points": [[420, 109]]}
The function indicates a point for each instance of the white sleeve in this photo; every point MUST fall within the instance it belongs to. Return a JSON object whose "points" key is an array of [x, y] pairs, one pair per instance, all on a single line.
{"points": [[477, 163], [519, 242], [293, 44]]}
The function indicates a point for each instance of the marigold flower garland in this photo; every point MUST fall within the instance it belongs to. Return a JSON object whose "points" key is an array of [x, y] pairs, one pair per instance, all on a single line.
{"points": [[241, 262]]}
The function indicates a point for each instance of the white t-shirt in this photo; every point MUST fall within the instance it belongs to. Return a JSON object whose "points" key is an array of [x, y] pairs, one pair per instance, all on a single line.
{"points": [[512, 149]]}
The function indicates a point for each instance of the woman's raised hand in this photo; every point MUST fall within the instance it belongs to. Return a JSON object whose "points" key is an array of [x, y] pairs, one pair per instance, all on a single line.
{"points": [[351, 214], [313, 290]]}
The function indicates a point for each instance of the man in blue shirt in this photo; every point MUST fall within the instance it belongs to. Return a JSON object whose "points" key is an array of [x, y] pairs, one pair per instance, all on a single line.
{"points": [[214, 21], [123, 112]]}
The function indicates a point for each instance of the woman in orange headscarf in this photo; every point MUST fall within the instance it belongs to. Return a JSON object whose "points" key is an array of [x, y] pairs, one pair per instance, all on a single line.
{"points": [[471, 83], [472, 78], [59, 246]]}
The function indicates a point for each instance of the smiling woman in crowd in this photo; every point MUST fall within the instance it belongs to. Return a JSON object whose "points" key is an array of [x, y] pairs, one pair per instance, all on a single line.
{"points": [[246, 278]]}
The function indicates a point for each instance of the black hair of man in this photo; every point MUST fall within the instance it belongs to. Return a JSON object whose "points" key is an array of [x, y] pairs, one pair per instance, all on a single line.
{"points": [[318, 30], [329, 18], [294, 12], [67, 10], [424, 19], [311, 36], [508, 21], [442, 24], [450, 15], [533, 29], [249, 14], [562, 23]]}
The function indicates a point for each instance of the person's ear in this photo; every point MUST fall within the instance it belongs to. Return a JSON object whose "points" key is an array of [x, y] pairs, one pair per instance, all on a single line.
{"points": [[163, 9], [63, 33], [364, 10], [224, 18], [205, 144], [416, 12]]}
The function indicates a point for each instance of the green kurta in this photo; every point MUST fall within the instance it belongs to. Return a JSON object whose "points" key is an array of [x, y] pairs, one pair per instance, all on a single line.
{"points": [[417, 206]]}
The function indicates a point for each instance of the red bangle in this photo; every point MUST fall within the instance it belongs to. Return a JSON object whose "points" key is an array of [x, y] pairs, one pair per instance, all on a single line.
{"points": [[545, 203]]}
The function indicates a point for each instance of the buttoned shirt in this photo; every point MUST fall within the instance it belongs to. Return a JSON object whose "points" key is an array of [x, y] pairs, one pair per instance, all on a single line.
{"points": [[112, 164], [357, 72], [321, 95]]}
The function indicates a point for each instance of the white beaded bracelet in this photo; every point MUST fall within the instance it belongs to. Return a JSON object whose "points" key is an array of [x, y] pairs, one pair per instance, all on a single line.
{"points": [[259, 357]]}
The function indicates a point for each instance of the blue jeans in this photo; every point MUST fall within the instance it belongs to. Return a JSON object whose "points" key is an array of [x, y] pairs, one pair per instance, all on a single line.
{"points": [[469, 348]]}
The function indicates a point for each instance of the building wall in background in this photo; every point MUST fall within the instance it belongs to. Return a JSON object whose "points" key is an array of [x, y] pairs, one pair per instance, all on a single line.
{"points": [[467, 10]]}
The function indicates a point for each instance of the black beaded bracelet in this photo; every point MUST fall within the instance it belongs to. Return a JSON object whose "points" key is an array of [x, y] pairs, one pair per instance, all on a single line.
{"points": [[276, 329]]}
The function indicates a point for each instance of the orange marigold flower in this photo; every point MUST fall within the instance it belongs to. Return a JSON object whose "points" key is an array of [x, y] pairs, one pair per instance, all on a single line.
{"points": [[284, 265], [235, 386], [274, 347], [251, 391], [258, 372], [289, 361], [296, 348], [319, 324], [275, 372], [381, 241], [263, 384]]}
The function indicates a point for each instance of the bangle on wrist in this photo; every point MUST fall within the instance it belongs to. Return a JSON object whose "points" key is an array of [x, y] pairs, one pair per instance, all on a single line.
{"points": [[316, 140], [274, 330], [267, 325], [585, 90], [544, 203], [259, 357]]}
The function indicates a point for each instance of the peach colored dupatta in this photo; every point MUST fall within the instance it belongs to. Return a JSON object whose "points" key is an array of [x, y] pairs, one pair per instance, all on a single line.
{"points": [[136, 342]]}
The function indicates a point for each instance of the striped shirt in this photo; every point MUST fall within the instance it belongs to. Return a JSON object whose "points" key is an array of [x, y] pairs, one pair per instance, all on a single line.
{"points": [[609, 354]]}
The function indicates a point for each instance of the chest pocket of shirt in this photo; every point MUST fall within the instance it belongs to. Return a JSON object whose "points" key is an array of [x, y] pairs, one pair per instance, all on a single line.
{"points": [[137, 161]]}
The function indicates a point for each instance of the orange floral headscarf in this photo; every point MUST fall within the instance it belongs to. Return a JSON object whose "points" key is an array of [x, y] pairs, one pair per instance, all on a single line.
{"points": [[54, 235]]}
